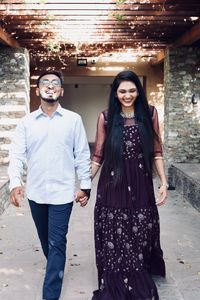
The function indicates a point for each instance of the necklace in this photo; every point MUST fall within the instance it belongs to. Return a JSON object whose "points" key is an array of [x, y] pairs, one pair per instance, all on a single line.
{"points": [[127, 115]]}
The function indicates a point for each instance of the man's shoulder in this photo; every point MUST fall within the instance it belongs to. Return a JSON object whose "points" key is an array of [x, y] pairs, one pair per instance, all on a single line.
{"points": [[28, 116], [70, 113], [31, 116]]}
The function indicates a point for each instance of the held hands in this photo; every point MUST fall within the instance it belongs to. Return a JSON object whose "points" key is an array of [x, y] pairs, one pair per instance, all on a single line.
{"points": [[16, 196], [162, 195], [82, 198]]}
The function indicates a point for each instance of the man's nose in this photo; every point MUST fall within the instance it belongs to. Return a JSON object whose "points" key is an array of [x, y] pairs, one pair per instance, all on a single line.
{"points": [[50, 85]]}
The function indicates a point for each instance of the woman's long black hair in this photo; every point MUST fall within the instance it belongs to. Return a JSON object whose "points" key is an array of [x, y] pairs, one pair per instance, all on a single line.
{"points": [[114, 143]]}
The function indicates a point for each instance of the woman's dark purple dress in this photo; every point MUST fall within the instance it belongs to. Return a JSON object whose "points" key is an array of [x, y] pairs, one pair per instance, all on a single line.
{"points": [[127, 232]]}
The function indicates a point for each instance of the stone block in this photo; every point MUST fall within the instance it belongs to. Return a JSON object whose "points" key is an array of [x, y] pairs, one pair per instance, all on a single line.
{"points": [[185, 178]]}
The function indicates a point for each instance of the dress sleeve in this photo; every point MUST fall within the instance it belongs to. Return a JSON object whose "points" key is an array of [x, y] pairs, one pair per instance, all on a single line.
{"points": [[98, 154], [158, 147]]}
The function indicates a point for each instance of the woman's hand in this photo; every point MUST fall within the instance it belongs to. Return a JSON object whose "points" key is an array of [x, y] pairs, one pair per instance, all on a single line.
{"points": [[162, 195]]}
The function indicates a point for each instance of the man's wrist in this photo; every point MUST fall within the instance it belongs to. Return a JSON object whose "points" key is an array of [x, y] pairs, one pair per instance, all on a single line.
{"points": [[87, 191]]}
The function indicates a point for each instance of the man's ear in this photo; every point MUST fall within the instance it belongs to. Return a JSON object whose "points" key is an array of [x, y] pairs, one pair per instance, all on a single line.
{"points": [[37, 92], [62, 92]]}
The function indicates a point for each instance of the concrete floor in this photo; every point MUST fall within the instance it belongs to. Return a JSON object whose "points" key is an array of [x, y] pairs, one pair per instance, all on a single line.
{"points": [[22, 262]]}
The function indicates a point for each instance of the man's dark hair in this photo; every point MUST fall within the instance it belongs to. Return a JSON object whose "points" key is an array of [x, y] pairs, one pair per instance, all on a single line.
{"points": [[57, 73]]}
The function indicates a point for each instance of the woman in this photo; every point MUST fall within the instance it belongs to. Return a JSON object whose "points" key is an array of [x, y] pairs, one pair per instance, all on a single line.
{"points": [[127, 233]]}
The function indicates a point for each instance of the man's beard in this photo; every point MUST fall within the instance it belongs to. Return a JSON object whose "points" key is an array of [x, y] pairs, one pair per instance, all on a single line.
{"points": [[49, 99]]}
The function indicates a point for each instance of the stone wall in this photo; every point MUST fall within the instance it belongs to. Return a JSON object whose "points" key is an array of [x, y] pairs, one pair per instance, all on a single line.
{"points": [[4, 189], [14, 93], [181, 117], [4, 196]]}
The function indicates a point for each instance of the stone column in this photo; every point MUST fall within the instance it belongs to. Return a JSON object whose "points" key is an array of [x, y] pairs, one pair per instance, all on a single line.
{"points": [[14, 93], [181, 117]]}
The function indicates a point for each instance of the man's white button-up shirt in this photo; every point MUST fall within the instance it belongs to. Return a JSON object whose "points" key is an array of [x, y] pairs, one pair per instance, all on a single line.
{"points": [[54, 148]]}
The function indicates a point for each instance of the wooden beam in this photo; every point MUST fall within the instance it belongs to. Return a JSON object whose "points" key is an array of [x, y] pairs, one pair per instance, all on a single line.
{"points": [[7, 40], [51, 18], [189, 37], [159, 58], [109, 2], [85, 14]]}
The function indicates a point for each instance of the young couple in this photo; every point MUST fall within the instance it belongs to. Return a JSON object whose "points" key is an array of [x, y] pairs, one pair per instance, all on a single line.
{"points": [[52, 142]]}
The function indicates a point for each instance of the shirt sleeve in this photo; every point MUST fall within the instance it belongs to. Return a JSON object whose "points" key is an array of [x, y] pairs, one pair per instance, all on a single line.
{"points": [[17, 156], [158, 147], [98, 154], [82, 155]]}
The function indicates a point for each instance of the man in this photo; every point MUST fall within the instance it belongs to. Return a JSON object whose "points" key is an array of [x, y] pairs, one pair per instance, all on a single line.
{"points": [[53, 142]]}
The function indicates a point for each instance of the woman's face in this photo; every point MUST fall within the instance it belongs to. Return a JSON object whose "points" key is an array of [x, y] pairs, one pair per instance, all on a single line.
{"points": [[127, 94]]}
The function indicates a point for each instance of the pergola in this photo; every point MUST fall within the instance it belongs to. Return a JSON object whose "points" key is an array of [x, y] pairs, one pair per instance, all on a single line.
{"points": [[54, 31]]}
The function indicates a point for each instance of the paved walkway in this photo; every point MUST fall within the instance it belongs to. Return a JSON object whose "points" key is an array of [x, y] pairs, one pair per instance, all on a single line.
{"points": [[22, 263]]}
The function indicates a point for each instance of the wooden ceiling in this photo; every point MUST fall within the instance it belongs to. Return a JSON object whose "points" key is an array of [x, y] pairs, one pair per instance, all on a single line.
{"points": [[89, 28]]}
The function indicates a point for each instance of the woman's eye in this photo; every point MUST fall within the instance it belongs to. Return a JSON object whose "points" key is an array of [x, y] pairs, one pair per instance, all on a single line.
{"points": [[124, 92]]}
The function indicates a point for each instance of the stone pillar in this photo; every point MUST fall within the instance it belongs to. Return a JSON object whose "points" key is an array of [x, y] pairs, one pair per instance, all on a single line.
{"points": [[181, 117], [14, 93]]}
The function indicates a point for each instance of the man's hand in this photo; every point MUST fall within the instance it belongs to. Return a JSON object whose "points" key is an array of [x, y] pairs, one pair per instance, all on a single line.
{"points": [[82, 198], [17, 195]]}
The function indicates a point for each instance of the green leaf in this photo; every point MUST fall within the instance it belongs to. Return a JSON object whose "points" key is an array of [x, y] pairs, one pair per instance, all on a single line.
{"points": [[119, 2]]}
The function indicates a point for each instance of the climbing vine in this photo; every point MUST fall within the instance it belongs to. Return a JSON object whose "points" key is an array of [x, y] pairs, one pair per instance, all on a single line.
{"points": [[119, 2], [53, 46], [119, 16]]}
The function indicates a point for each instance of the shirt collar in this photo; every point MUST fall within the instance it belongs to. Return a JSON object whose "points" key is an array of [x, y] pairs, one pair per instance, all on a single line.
{"points": [[40, 112]]}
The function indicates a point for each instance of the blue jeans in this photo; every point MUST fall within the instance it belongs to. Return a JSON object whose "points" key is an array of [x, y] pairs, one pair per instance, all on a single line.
{"points": [[51, 222]]}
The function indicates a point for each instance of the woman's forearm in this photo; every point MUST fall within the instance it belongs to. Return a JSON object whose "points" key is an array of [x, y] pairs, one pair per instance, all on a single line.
{"points": [[95, 169], [160, 170]]}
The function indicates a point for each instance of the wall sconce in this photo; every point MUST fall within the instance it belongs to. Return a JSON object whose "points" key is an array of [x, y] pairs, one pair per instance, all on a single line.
{"points": [[194, 100], [82, 62]]}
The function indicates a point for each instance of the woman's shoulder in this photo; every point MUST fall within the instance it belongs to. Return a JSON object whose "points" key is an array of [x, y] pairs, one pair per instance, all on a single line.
{"points": [[105, 114], [152, 109]]}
